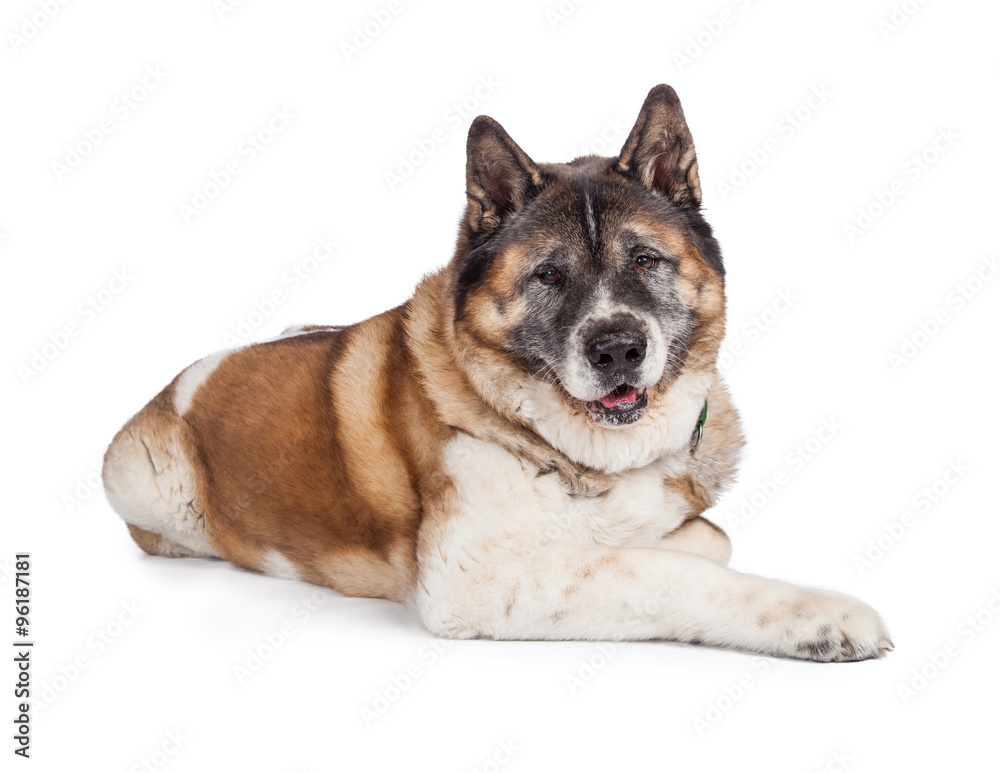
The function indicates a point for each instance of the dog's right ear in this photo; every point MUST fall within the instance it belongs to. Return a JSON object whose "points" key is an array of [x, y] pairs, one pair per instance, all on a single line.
{"points": [[499, 176]]}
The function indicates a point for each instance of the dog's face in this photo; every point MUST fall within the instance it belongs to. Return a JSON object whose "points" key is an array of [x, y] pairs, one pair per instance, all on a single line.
{"points": [[599, 276]]}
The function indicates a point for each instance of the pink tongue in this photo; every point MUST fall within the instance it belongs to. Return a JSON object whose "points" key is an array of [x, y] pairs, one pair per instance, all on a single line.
{"points": [[620, 396]]}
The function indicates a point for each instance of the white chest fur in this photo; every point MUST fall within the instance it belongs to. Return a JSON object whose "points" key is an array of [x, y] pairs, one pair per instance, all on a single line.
{"points": [[499, 499], [638, 510]]}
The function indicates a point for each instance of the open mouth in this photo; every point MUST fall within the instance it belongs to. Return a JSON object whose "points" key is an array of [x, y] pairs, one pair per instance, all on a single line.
{"points": [[625, 404]]}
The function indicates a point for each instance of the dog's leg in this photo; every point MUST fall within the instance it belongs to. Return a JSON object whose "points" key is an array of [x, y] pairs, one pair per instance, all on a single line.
{"points": [[700, 536], [495, 563], [640, 593], [150, 480]]}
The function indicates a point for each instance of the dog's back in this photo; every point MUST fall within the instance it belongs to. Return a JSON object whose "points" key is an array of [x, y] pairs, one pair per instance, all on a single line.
{"points": [[294, 457]]}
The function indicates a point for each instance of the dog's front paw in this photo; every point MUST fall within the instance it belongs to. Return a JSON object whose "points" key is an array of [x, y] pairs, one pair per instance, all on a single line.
{"points": [[830, 627]]}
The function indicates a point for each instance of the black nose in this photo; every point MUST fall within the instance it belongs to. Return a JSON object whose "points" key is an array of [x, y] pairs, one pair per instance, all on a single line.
{"points": [[617, 354]]}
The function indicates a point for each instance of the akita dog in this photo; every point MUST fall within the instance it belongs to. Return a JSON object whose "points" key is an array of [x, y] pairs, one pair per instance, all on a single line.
{"points": [[523, 450]]}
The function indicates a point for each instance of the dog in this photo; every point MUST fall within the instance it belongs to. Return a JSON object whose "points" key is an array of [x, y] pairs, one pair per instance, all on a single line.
{"points": [[523, 450]]}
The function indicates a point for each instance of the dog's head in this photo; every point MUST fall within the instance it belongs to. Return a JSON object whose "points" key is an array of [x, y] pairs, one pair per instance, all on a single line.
{"points": [[584, 292]]}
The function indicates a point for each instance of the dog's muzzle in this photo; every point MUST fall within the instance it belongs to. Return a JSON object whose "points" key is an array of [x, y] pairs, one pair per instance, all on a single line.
{"points": [[616, 359]]}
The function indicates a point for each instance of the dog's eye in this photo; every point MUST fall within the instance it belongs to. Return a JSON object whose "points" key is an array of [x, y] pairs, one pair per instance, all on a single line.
{"points": [[549, 276], [645, 262]]}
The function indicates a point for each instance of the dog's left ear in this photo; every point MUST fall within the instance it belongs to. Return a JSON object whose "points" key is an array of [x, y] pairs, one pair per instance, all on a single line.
{"points": [[499, 176], [659, 151]]}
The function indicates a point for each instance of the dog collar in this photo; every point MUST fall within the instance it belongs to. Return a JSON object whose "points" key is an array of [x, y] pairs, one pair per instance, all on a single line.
{"points": [[699, 428]]}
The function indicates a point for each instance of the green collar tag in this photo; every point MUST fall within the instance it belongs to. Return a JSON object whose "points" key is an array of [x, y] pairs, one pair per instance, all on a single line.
{"points": [[699, 428]]}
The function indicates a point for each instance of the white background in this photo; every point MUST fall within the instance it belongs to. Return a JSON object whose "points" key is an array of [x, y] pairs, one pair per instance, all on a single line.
{"points": [[564, 82]]}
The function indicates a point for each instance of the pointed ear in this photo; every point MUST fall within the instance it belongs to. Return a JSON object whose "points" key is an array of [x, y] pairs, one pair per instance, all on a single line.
{"points": [[659, 151], [499, 176]]}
